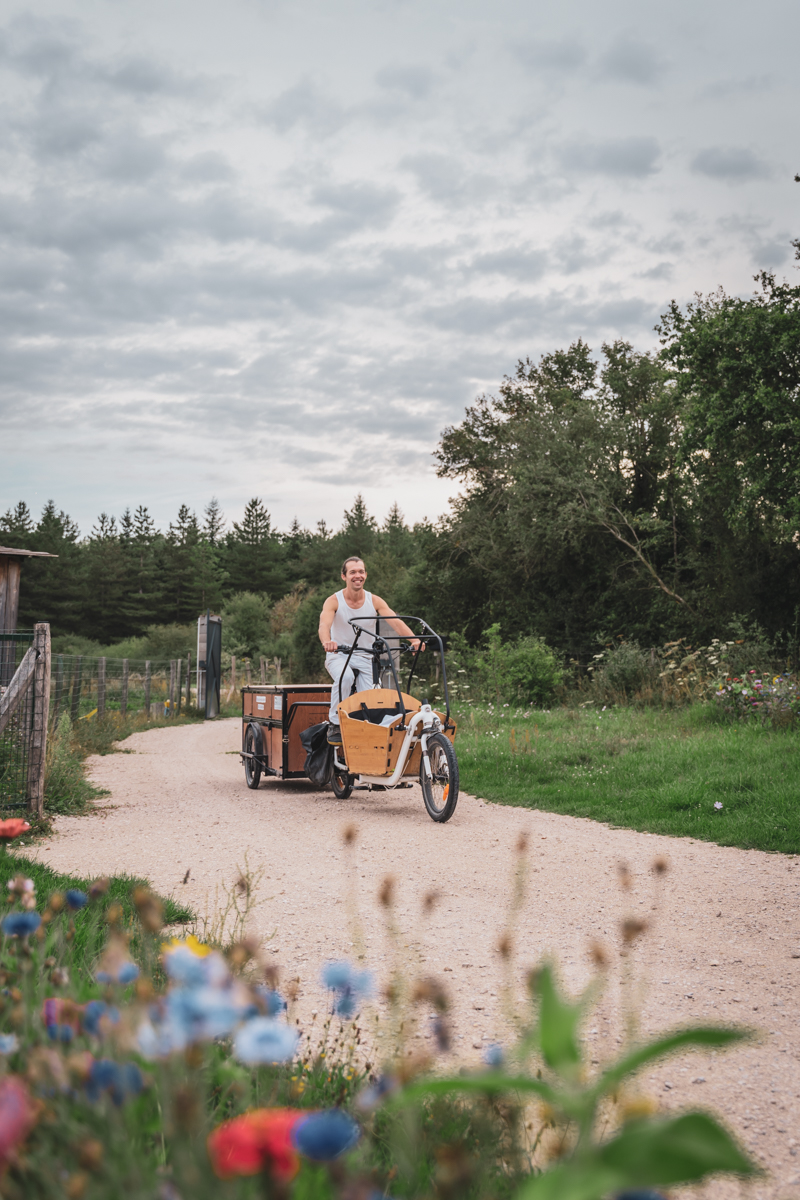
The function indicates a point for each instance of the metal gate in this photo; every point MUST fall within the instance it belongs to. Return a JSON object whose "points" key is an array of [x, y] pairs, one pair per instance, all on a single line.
{"points": [[209, 664]]}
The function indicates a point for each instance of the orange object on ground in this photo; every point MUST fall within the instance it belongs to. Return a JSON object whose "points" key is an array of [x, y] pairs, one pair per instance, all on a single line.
{"points": [[258, 1140]]}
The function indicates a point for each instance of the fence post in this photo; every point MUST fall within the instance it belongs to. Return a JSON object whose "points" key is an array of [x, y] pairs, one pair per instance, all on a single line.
{"points": [[247, 671], [41, 713], [178, 665], [188, 679], [171, 686], [101, 688], [263, 669], [147, 687], [77, 684], [59, 688], [123, 694], [277, 665]]}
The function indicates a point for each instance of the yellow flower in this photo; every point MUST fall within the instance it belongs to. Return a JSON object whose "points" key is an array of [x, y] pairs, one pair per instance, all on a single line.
{"points": [[192, 943]]}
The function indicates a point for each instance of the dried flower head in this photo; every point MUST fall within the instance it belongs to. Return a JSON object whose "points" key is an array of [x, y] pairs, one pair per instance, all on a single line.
{"points": [[533, 980], [431, 991], [99, 887], [634, 1107], [243, 885], [660, 865], [114, 914], [149, 908], [386, 894], [90, 1154], [598, 955], [505, 947], [56, 902], [625, 877], [349, 834], [632, 927], [431, 899], [293, 988], [522, 843], [272, 976]]}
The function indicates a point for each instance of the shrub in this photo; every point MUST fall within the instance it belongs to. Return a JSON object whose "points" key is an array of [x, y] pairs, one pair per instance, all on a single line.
{"points": [[624, 670], [524, 671], [245, 624]]}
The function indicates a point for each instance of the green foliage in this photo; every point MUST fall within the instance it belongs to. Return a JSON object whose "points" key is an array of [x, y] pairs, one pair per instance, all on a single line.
{"points": [[66, 787], [308, 657], [246, 624], [624, 670], [524, 671]]}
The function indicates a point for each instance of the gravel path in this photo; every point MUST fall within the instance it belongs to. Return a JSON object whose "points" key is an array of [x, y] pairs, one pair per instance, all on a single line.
{"points": [[720, 946]]}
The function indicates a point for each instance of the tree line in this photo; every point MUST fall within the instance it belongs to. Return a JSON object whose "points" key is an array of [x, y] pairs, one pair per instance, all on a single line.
{"points": [[619, 494]]}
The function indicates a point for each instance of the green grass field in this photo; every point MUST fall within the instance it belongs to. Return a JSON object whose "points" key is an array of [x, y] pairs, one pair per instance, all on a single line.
{"points": [[660, 771]]}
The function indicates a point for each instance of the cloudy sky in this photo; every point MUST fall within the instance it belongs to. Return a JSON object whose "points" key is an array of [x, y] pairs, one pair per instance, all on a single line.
{"points": [[273, 247]]}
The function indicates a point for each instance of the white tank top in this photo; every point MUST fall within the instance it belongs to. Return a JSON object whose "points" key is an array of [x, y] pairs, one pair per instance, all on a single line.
{"points": [[343, 633]]}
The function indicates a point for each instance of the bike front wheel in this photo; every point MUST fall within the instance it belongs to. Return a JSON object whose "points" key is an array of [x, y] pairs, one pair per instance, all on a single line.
{"points": [[440, 792]]}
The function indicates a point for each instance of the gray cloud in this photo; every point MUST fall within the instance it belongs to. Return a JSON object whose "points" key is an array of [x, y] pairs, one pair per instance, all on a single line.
{"points": [[558, 55], [730, 163], [629, 60], [304, 106], [626, 158], [413, 81]]}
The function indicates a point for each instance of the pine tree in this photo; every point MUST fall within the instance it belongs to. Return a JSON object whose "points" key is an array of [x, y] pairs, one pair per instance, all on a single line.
{"points": [[142, 599], [214, 524], [16, 527], [104, 581], [359, 529], [181, 592], [253, 553], [51, 588]]}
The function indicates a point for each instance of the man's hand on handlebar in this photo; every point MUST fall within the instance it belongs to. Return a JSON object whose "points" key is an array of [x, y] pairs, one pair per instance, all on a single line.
{"points": [[416, 644], [330, 647]]}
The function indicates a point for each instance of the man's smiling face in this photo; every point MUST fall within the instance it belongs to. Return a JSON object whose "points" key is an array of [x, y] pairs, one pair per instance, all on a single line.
{"points": [[355, 575]]}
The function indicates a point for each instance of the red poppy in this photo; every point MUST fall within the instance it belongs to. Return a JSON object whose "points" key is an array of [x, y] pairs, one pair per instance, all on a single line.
{"points": [[258, 1140], [17, 1115], [12, 828]]}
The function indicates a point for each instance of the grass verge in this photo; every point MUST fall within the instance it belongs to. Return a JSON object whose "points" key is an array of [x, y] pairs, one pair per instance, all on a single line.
{"points": [[652, 770]]}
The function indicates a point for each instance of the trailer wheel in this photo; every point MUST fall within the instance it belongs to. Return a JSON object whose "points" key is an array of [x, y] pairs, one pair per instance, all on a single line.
{"points": [[342, 784], [252, 745], [440, 793]]}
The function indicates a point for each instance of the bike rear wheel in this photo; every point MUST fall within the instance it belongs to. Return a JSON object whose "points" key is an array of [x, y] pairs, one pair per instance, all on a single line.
{"points": [[342, 784], [440, 792]]}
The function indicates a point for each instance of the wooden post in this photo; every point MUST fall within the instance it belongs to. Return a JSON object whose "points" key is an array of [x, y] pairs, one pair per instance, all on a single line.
{"points": [[41, 713], [247, 671], [147, 687], [77, 683], [59, 688], [188, 679], [233, 672], [171, 686], [123, 695], [178, 665], [263, 669], [101, 688], [277, 664]]}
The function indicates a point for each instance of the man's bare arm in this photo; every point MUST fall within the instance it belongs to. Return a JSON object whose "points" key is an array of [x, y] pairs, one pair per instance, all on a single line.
{"points": [[329, 610], [383, 610]]}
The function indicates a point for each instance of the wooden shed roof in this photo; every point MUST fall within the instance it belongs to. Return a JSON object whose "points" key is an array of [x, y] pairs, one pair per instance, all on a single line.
{"points": [[9, 553]]}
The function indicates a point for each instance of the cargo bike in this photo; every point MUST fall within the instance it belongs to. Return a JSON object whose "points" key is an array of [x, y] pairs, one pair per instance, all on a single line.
{"points": [[388, 735]]}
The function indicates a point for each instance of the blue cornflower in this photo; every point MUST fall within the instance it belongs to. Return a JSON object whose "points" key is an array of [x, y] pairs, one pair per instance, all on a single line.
{"points": [[118, 1079], [125, 973], [20, 924], [493, 1055], [265, 1040], [348, 984], [76, 899], [273, 1002], [94, 1011], [323, 1136]]}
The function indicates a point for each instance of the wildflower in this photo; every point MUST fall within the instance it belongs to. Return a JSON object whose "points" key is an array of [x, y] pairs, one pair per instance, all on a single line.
{"points": [[12, 827], [9, 1042], [17, 1115], [149, 908], [257, 1140], [115, 965], [323, 1136], [265, 1040], [20, 924], [192, 964], [493, 1056], [631, 928], [99, 888], [269, 1001], [120, 1080], [61, 1018], [376, 1091], [95, 1013], [348, 984], [76, 899], [717, 804]]}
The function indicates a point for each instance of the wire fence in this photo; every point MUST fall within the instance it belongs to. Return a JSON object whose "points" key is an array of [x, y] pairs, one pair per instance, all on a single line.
{"points": [[93, 688], [15, 738]]}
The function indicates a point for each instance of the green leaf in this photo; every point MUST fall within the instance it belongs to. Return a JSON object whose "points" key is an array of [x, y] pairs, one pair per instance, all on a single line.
{"points": [[572, 1181], [558, 1023], [678, 1150], [701, 1036]]}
